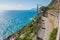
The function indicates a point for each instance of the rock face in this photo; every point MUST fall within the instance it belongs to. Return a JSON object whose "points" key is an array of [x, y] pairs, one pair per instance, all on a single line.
{"points": [[56, 4], [53, 16], [50, 22]]}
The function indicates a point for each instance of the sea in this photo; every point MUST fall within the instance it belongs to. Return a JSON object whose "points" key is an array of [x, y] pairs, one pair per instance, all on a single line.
{"points": [[12, 21]]}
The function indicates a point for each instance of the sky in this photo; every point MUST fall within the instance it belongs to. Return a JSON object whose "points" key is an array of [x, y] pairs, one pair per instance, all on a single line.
{"points": [[22, 4]]}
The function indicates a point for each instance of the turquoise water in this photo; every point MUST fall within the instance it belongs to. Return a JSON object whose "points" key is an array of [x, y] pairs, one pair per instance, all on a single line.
{"points": [[14, 20]]}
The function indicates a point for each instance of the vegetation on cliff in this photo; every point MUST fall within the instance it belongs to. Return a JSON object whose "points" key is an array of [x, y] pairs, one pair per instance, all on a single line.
{"points": [[46, 8], [53, 34], [52, 2]]}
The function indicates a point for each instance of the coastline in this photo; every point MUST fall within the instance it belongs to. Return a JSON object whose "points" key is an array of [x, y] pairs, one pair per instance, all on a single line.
{"points": [[27, 31]]}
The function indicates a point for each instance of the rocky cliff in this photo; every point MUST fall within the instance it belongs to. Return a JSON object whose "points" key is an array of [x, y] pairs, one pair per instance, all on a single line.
{"points": [[55, 4], [50, 20]]}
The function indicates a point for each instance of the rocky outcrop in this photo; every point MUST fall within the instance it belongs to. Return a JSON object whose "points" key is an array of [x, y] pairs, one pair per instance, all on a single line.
{"points": [[50, 20], [53, 18], [56, 4]]}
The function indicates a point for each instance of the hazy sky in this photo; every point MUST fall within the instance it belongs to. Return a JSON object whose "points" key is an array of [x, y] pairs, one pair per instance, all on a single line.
{"points": [[21, 4]]}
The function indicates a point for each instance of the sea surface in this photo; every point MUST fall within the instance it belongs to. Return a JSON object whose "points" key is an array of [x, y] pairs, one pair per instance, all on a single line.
{"points": [[12, 21]]}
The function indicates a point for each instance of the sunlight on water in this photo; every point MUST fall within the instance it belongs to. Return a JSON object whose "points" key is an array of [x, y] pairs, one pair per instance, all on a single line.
{"points": [[1, 19], [1, 11], [12, 21]]}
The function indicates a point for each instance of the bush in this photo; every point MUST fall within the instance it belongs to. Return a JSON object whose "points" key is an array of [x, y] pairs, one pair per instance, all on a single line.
{"points": [[52, 2], [53, 34]]}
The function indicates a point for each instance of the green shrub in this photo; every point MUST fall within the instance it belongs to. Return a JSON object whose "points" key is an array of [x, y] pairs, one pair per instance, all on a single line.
{"points": [[53, 34], [52, 2]]}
